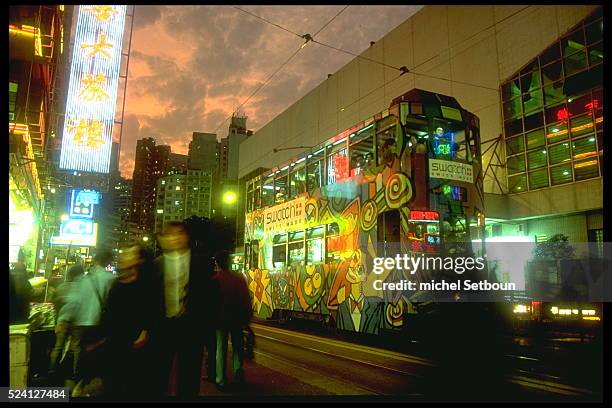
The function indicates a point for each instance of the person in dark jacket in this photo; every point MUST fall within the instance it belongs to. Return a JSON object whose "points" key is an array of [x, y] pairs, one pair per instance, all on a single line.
{"points": [[127, 322], [234, 314], [20, 295], [187, 293]]}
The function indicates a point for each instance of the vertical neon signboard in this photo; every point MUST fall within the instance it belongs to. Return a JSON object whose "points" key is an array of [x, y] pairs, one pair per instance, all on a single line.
{"points": [[92, 91]]}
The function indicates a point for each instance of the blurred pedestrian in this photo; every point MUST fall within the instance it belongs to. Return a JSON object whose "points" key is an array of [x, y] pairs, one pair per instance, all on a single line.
{"points": [[90, 298], [126, 323], [234, 314], [63, 300], [20, 295], [188, 300]]}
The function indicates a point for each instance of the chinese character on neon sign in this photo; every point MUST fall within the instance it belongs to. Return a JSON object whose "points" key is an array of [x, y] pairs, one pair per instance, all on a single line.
{"points": [[563, 114]]}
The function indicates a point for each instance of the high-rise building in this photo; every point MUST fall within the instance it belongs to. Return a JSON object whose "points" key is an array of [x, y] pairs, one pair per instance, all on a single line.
{"points": [[151, 163], [180, 196], [202, 152], [178, 163]]}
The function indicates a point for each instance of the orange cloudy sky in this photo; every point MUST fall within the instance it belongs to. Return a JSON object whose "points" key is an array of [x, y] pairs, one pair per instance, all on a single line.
{"points": [[192, 66]]}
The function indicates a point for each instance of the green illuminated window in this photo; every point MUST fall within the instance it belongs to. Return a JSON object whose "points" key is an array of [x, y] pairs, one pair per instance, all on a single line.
{"points": [[538, 179], [560, 174], [537, 159], [535, 139], [559, 153], [516, 164], [517, 184]]}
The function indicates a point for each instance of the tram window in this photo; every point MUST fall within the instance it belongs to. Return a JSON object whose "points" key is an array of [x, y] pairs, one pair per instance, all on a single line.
{"points": [[249, 200], [362, 155], [296, 236], [337, 164], [333, 228], [315, 171], [279, 238], [314, 251], [257, 196], [314, 232], [279, 255], [297, 181], [267, 193], [281, 186], [296, 253], [254, 261], [387, 148]]}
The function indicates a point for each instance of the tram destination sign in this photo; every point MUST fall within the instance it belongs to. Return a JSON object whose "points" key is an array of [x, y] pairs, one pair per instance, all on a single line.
{"points": [[282, 217], [449, 170]]}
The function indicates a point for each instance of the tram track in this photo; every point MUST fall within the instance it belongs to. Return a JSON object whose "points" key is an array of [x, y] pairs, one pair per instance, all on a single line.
{"points": [[395, 364]]}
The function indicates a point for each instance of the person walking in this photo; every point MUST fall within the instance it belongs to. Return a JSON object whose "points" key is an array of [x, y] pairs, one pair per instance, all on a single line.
{"points": [[234, 315], [188, 297], [64, 307], [90, 298], [127, 323]]}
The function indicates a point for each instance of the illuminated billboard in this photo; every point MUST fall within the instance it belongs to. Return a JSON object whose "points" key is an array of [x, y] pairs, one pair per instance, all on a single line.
{"points": [[92, 90], [82, 203], [78, 232]]}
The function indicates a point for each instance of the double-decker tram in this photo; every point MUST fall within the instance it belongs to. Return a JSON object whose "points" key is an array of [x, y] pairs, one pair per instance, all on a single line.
{"points": [[406, 181]]}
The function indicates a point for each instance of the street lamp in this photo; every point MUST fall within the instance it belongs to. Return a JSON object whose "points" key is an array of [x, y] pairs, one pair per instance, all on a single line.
{"points": [[145, 238], [229, 197]]}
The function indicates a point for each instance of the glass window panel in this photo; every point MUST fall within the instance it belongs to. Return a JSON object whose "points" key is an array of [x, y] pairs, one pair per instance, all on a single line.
{"points": [[531, 66], [555, 113], [314, 251], [267, 193], [297, 180], [338, 165], [362, 155], [532, 101], [279, 238], [575, 63], [512, 127], [296, 253], [511, 89], [552, 73], [314, 232], [537, 159], [582, 125], [573, 42], [515, 145], [296, 236], [596, 54], [333, 228], [596, 15], [586, 169], [561, 174], [513, 108], [579, 105], [559, 153], [553, 93], [599, 120], [594, 32], [517, 184], [535, 139], [516, 164], [530, 80], [281, 187], [551, 54], [598, 96], [538, 179], [315, 171], [533, 121], [600, 143], [585, 147]]}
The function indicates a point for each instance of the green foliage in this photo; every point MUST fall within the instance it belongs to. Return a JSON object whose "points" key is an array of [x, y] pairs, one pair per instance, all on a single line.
{"points": [[556, 248]]}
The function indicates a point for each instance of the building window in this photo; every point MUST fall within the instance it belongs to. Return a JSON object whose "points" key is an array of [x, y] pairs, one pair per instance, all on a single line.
{"points": [[559, 144], [13, 86]]}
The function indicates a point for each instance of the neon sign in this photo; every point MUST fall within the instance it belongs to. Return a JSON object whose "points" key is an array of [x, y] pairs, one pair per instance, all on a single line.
{"points": [[92, 90], [82, 203], [424, 215], [563, 114]]}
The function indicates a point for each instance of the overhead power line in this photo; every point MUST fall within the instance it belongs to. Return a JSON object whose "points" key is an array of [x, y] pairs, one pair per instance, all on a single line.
{"points": [[307, 37]]}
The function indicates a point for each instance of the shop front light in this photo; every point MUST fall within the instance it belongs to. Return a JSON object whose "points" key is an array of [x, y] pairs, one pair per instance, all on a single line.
{"points": [[521, 309]]}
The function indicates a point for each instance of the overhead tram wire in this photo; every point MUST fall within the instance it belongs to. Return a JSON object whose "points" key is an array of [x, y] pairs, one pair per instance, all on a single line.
{"points": [[307, 37], [268, 21]]}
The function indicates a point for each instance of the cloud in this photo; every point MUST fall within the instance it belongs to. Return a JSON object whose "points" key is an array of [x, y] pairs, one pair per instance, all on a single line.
{"points": [[191, 66]]}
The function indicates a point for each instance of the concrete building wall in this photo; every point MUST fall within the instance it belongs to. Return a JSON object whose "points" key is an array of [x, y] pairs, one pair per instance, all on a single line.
{"points": [[461, 51]]}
